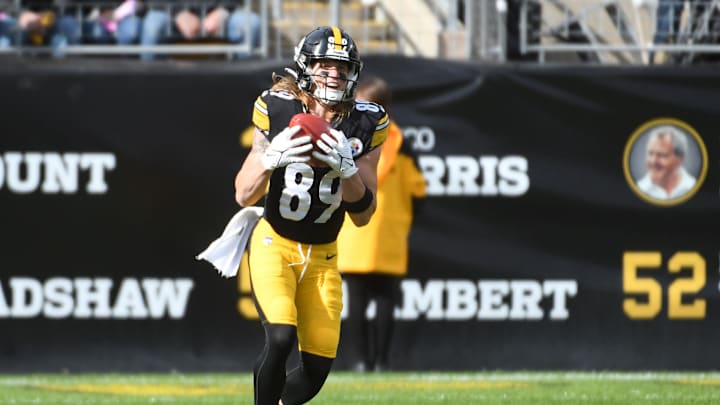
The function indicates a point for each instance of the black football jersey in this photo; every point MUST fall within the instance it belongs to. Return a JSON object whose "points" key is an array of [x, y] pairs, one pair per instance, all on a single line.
{"points": [[304, 203]]}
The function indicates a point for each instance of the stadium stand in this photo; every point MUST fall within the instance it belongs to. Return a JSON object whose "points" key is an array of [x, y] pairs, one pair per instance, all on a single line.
{"points": [[620, 31], [492, 31]]}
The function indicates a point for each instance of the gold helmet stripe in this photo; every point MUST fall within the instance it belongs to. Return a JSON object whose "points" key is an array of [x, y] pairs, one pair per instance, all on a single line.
{"points": [[338, 38]]}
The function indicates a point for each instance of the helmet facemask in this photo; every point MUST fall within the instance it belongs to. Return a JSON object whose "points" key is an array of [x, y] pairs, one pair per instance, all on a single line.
{"points": [[327, 43], [328, 94]]}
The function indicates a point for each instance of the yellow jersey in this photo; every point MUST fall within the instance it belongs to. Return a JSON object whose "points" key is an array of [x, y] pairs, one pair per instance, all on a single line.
{"points": [[381, 246]]}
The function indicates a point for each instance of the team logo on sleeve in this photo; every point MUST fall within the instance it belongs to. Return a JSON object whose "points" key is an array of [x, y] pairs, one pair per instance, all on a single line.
{"points": [[356, 145]]}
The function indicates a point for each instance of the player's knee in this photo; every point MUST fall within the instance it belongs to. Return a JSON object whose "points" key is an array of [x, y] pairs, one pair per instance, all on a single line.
{"points": [[281, 337], [306, 381], [317, 368]]}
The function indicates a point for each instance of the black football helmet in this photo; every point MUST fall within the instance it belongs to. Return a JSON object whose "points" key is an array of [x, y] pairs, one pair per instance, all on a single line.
{"points": [[327, 43]]}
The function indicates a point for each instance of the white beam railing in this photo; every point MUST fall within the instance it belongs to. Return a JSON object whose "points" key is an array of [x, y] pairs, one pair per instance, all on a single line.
{"points": [[611, 31]]}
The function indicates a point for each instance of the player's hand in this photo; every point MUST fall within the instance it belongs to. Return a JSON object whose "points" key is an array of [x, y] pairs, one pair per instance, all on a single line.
{"points": [[284, 150], [338, 153]]}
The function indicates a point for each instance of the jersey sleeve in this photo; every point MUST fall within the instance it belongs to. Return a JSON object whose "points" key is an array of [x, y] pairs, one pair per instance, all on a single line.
{"points": [[369, 123], [261, 115], [273, 110], [381, 131]]}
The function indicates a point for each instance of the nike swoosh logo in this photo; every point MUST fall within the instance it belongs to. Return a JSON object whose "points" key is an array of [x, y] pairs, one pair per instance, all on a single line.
{"points": [[329, 256]]}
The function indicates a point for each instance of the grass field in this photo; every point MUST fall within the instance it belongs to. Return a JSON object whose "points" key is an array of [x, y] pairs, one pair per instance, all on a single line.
{"points": [[385, 388]]}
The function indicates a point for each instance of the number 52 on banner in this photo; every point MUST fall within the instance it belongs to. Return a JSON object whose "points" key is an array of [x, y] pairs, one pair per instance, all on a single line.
{"points": [[647, 293]]}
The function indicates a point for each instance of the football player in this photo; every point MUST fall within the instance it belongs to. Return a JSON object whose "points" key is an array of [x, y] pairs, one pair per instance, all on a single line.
{"points": [[295, 280]]}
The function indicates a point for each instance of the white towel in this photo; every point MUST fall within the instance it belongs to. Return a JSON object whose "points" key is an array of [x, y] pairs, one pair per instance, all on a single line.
{"points": [[226, 251]]}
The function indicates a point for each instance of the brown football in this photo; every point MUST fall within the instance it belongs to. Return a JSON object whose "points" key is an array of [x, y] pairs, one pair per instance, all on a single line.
{"points": [[314, 126]]}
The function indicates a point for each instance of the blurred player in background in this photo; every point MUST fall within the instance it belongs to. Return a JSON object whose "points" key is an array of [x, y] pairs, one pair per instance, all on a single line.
{"points": [[373, 259], [293, 251]]}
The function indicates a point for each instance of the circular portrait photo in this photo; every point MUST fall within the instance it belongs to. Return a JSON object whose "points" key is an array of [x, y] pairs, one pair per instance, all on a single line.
{"points": [[665, 161]]}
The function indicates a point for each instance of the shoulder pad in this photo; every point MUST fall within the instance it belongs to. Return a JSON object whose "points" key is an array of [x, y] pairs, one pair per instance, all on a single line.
{"points": [[274, 103], [379, 118]]}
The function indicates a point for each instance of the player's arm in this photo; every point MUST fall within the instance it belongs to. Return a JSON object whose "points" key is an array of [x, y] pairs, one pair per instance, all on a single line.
{"points": [[252, 179], [359, 178], [361, 187], [360, 190], [264, 157]]}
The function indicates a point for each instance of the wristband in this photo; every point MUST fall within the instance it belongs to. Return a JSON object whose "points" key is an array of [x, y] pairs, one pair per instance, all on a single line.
{"points": [[360, 205]]}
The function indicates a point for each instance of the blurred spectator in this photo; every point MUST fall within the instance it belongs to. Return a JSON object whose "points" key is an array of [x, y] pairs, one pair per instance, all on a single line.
{"points": [[667, 21], [373, 259], [38, 22], [120, 24], [7, 23], [206, 22], [668, 27]]}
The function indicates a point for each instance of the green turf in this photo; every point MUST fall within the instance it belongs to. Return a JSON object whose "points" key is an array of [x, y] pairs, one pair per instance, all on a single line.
{"points": [[385, 388]]}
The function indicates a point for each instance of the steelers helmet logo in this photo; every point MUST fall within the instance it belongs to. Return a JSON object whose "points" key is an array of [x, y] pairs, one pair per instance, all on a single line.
{"points": [[356, 145]]}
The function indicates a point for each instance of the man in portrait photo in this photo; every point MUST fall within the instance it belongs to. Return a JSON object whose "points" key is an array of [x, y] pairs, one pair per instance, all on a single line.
{"points": [[666, 178]]}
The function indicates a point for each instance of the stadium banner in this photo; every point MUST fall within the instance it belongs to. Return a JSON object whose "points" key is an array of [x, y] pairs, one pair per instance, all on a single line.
{"points": [[555, 235]]}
